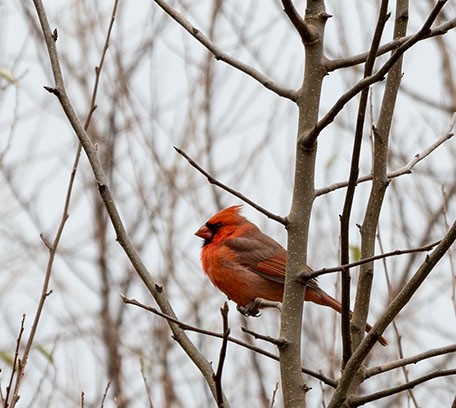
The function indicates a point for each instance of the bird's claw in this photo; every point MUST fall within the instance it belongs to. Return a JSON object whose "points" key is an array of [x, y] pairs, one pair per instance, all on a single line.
{"points": [[250, 309], [253, 308]]}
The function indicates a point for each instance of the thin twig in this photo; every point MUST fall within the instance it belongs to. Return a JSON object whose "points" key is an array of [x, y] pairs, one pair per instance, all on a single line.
{"points": [[383, 368], [222, 56], [222, 356], [146, 385], [274, 393], [47, 277], [277, 342], [358, 401], [186, 326], [407, 169], [14, 368], [420, 156], [237, 194], [395, 326], [396, 252], [105, 393]]}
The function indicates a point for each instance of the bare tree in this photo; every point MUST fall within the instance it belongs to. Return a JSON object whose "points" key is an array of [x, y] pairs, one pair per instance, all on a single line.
{"points": [[162, 96]]}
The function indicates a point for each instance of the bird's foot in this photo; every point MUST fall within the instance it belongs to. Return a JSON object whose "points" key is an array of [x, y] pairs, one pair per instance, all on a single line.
{"points": [[253, 308]]}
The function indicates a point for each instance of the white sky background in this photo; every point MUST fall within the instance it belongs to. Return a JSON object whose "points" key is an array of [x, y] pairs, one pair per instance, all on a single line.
{"points": [[41, 149]]}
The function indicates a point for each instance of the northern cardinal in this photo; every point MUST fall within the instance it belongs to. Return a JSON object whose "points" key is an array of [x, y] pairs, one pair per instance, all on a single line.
{"points": [[246, 264]]}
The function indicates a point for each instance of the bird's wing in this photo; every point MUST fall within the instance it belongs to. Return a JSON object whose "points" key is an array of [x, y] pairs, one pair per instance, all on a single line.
{"points": [[263, 256]]}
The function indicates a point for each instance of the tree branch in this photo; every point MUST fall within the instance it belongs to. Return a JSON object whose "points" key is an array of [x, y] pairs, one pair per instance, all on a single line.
{"points": [[393, 309], [383, 368], [311, 137], [277, 342], [420, 156], [186, 326], [332, 65], [222, 56], [102, 183], [306, 33], [230, 190], [407, 169], [222, 356], [352, 183], [396, 252], [358, 401]]}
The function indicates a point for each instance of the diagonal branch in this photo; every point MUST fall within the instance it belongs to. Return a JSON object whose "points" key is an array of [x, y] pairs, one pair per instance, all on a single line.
{"points": [[230, 190], [420, 156], [407, 169], [358, 401], [277, 342], [186, 326], [305, 276], [383, 368], [222, 56], [108, 200], [312, 136], [398, 303], [332, 65]]}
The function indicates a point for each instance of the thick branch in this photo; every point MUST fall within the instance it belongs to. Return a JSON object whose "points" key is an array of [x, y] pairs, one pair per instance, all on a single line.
{"points": [[306, 33], [398, 303], [352, 183], [293, 386]]}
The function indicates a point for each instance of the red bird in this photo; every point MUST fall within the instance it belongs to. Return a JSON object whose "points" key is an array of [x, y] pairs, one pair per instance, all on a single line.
{"points": [[246, 264]]}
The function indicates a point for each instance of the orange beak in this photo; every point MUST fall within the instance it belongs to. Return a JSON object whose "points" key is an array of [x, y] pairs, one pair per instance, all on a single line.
{"points": [[204, 233]]}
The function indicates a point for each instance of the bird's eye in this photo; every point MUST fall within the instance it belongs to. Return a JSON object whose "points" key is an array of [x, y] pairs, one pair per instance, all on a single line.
{"points": [[215, 227]]}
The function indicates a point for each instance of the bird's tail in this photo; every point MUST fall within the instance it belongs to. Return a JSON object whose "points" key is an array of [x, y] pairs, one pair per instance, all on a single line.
{"points": [[319, 296]]}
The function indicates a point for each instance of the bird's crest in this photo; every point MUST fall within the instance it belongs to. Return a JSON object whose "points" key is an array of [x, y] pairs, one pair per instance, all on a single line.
{"points": [[227, 216]]}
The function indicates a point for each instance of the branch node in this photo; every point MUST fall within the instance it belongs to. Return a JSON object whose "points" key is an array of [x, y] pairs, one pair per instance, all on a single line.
{"points": [[52, 90], [324, 16], [46, 242], [306, 389]]}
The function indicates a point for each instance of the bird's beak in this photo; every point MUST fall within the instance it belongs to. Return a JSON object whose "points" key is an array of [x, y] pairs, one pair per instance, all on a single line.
{"points": [[204, 233]]}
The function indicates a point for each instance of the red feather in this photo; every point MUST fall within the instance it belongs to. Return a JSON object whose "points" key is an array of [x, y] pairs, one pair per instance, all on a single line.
{"points": [[246, 264]]}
